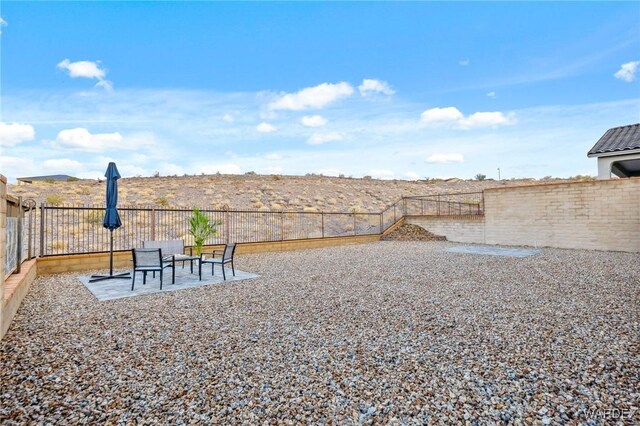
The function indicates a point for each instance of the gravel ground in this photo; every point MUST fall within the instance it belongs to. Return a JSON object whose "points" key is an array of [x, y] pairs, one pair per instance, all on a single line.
{"points": [[390, 332]]}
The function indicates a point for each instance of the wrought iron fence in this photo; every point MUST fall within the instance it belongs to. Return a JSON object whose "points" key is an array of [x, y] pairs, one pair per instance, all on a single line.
{"points": [[78, 229], [454, 204]]}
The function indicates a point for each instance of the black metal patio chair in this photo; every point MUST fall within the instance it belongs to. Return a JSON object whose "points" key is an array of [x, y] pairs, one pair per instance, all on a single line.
{"points": [[227, 257], [150, 260]]}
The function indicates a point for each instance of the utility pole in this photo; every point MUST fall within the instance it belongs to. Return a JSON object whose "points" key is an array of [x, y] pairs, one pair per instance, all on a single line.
{"points": [[498, 173]]}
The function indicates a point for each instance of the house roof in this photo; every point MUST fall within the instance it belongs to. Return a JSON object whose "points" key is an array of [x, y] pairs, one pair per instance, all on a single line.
{"points": [[49, 177], [618, 139]]}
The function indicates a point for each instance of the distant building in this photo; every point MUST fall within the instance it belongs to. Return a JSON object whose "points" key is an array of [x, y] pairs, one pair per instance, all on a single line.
{"points": [[618, 152], [55, 178]]}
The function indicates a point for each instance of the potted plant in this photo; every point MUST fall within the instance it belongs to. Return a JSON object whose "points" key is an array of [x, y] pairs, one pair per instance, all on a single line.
{"points": [[201, 229]]}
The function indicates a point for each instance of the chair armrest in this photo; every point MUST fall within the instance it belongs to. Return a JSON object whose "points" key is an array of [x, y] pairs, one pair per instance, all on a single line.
{"points": [[212, 253]]}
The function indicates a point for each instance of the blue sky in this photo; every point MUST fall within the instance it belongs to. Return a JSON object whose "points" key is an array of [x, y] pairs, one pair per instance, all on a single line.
{"points": [[392, 90]]}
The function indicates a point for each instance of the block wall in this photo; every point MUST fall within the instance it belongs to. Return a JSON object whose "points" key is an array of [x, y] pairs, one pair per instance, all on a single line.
{"points": [[597, 215], [461, 229]]}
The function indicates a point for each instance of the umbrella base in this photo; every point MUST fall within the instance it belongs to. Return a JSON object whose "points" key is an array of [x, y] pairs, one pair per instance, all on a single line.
{"points": [[122, 276]]}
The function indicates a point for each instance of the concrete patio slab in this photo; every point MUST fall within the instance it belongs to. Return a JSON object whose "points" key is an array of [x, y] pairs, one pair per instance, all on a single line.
{"points": [[494, 251], [121, 288]]}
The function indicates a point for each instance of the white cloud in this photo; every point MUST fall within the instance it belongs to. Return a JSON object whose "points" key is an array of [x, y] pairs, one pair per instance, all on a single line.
{"points": [[491, 94], [228, 118], [464, 62], [273, 157], [445, 158], [320, 138], [3, 23], [475, 120], [438, 115], [411, 175], [266, 128], [370, 87], [15, 133], [63, 166], [81, 139], [487, 119], [313, 97], [87, 69], [627, 72], [381, 174], [314, 121]]}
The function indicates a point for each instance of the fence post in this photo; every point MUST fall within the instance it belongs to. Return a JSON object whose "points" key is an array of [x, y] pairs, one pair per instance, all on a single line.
{"points": [[281, 226], [381, 222], [226, 224], [322, 218], [19, 236], [42, 210], [153, 224], [354, 225]]}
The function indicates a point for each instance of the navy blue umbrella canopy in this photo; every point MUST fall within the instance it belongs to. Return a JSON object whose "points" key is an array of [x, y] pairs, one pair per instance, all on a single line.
{"points": [[111, 216]]}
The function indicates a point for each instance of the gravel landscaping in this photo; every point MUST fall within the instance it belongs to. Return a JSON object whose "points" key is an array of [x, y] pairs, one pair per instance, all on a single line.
{"points": [[389, 332]]}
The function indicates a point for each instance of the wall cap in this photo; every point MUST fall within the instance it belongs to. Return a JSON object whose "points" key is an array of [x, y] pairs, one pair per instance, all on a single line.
{"points": [[539, 185]]}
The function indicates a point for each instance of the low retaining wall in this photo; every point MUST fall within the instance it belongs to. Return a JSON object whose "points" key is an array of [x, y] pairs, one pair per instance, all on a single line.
{"points": [[17, 286], [99, 261]]}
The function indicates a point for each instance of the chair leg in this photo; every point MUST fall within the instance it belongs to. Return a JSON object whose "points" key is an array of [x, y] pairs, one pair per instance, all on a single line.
{"points": [[133, 281], [224, 276], [144, 277], [212, 266], [200, 270], [232, 268], [173, 273], [160, 279]]}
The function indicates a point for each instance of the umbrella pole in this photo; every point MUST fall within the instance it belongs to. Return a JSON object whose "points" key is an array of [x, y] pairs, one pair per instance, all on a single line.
{"points": [[124, 275], [111, 254]]}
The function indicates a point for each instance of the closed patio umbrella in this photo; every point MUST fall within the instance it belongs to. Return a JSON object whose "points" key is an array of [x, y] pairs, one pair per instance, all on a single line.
{"points": [[111, 219]]}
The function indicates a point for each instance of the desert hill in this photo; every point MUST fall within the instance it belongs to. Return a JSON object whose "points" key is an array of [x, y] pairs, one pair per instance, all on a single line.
{"points": [[250, 191]]}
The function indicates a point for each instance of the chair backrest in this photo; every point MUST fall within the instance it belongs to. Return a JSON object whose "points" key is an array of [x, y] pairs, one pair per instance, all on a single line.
{"points": [[229, 249], [147, 257], [168, 247]]}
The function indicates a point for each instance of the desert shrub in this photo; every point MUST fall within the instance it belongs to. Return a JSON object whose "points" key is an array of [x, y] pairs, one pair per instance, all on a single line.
{"points": [[55, 199], [72, 179], [480, 176], [156, 174], [162, 201], [367, 177], [50, 181], [277, 177], [251, 173]]}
